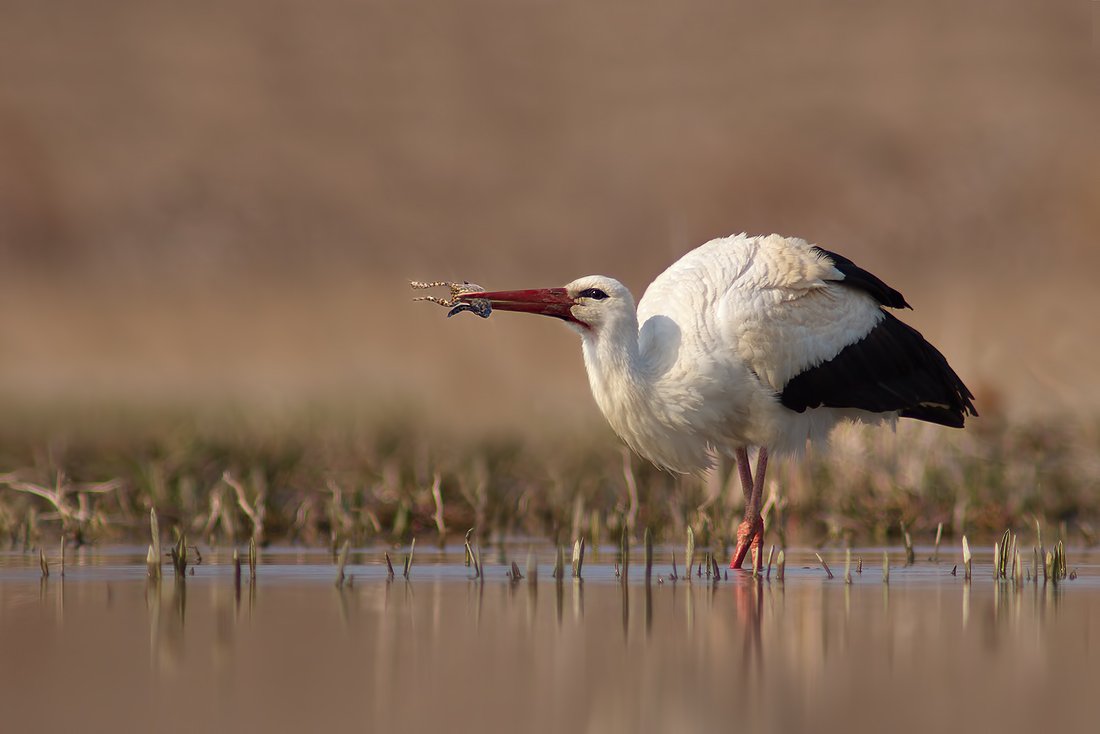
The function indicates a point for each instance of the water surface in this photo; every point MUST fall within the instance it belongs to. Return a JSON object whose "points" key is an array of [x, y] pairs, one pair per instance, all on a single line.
{"points": [[105, 649]]}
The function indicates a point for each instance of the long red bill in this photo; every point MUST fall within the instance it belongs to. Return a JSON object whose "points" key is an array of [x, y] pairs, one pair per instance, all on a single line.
{"points": [[554, 302]]}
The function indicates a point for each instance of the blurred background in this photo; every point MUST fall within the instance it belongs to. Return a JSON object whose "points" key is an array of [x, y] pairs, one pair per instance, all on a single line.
{"points": [[221, 202]]}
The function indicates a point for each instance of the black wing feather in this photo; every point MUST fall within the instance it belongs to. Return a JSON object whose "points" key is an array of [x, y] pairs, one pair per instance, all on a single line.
{"points": [[858, 278], [892, 368]]}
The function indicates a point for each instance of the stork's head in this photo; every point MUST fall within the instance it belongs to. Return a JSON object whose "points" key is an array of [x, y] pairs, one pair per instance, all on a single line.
{"points": [[590, 304]]}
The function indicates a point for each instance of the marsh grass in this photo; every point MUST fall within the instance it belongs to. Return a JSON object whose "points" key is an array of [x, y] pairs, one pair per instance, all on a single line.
{"points": [[318, 477], [689, 553], [910, 556], [153, 561], [178, 554], [409, 560], [341, 562]]}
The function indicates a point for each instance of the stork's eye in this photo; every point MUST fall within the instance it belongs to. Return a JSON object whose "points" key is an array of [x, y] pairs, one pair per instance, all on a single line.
{"points": [[594, 293]]}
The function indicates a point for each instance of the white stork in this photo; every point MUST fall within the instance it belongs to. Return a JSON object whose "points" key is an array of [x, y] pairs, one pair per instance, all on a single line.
{"points": [[764, 342]]}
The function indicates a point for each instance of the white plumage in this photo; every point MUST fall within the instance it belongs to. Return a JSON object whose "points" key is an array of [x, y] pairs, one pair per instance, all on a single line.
{"points": [[744, 342]]}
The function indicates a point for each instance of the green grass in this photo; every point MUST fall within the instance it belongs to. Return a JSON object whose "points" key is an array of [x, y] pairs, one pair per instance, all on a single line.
{"points": [[319, 479]]}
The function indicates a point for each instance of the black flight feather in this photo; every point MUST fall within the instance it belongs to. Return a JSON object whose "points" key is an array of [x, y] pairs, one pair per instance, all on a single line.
{"points": [[892, 368], [858, 278]]}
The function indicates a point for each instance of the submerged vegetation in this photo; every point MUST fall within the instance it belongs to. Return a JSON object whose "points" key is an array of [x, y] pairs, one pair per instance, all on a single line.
{"points": [[324, 479]]}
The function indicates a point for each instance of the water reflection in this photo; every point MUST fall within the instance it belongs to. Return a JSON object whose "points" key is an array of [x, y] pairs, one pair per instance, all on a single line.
{"points": [[442, 651], [625, 606]]}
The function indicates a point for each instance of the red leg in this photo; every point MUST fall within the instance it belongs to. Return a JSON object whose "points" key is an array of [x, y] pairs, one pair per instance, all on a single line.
{"points": [[745, 473], [750, 533]]}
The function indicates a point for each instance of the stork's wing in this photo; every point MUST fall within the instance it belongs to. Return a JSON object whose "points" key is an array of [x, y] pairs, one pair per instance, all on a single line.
{"points": [[810, 325], [893, 368]]}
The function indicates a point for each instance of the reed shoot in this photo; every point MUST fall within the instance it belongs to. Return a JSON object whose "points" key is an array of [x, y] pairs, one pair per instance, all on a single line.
{"points": [[689, 553], [409, 559], [341, 562]]}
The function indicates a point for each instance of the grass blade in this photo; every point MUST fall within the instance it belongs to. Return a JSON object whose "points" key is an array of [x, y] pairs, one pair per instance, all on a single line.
{"points": [[153, 563], [409, 559], [237, 572], [178, 552], [343, 560], [910, 557], [689, 553]]}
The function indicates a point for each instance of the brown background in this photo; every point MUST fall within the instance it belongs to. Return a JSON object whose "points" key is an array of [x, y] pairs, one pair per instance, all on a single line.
{"points": [[211, 202]]}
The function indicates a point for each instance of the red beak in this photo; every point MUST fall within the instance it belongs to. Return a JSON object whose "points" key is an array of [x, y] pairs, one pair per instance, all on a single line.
{"points": [[554, 302]]}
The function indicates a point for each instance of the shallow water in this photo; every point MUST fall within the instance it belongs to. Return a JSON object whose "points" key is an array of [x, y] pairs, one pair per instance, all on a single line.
{"points": [[103, 649]]}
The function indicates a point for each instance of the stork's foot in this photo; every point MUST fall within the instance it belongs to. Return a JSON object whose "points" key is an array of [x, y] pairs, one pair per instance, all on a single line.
{"points": [[749, 535]]}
